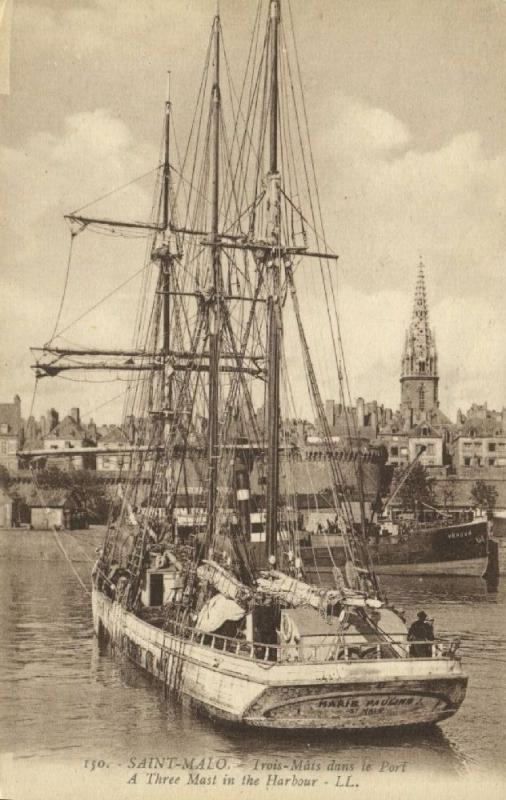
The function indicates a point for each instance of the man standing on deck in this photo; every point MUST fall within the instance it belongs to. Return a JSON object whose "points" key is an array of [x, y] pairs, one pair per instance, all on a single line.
{"points": [[421, 631]]}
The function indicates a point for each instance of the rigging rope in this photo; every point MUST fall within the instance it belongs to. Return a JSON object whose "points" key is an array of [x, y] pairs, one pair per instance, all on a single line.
{"points": [[73, 235], [55, 534]]}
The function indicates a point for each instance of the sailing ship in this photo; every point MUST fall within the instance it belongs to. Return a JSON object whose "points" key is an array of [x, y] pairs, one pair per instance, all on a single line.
{"points": [[216, 607]]}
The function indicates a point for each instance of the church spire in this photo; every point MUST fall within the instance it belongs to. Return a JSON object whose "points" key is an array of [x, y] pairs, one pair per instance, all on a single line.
{"points": [[420, 330], [419, 373]]}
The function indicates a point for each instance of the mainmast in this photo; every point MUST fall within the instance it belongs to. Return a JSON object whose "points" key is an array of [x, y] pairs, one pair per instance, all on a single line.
{"points": [[273, 309], [215, 300]]}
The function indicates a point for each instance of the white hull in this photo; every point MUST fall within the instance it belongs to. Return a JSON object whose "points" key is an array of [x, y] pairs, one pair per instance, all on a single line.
{"points": [[332, 695]]}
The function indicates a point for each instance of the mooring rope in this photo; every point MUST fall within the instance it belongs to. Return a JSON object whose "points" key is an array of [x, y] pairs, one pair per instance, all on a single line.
{"points": [[55, 534], [70, 562]]}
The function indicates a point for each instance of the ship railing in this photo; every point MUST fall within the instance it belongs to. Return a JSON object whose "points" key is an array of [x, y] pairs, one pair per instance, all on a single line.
{"points": [[334, 648]]}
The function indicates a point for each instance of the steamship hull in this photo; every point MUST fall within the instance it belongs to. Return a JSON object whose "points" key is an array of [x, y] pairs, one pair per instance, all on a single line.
{"points": [[247, 691], [458, 550]]}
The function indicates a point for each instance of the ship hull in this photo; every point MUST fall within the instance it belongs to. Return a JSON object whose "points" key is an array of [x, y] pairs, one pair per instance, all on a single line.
{"points": [[459, 549], [340, 696]]}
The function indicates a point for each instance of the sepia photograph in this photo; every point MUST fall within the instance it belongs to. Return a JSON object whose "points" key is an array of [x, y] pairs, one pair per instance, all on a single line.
{"points": [[252, 399]]}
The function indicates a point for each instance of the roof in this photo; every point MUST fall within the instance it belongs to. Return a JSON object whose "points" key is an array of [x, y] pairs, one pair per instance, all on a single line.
{"points": [[419, 431], [68, 428], [114, 435], [37, 443], [49, 504], [52, 498], [479, 426]]}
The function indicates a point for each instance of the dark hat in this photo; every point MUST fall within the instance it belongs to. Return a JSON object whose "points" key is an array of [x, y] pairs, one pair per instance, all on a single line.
{"points": [[422, 615]]}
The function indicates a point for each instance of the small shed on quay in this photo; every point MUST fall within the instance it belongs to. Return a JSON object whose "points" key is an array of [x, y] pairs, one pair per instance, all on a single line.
{"points": [[61, 512]]}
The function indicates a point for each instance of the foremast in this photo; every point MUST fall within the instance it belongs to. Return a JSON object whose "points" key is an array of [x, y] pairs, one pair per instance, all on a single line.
{"points": [[214, 306]]}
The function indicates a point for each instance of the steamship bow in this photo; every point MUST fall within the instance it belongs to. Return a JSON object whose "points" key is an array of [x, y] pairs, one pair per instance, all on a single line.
{"points": [[222, 615]]}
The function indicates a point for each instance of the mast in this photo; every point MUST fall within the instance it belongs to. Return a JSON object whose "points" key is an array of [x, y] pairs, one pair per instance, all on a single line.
{"points": [[273, 310], [166, 163], [167, 258], [215, 302]]}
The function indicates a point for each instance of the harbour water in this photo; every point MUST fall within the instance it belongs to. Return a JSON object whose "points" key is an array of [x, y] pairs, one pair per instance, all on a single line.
{"points": [[66, 701]]}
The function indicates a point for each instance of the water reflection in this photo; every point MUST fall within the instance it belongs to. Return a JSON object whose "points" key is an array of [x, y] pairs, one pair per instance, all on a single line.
{"points": [[63, 694]]}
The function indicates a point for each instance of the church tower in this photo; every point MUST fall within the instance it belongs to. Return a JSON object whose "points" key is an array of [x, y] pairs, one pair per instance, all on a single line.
{"points": [[419, 374]]}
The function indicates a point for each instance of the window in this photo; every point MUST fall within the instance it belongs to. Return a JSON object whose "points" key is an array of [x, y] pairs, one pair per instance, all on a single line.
{"points": [[491, 462], [491, 447], [394, 451], [467, 462], [4, 428], [3, 446]]}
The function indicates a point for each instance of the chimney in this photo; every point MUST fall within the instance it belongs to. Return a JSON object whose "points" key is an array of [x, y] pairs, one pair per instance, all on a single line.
{"points": [[52, 419], [360, 412]]}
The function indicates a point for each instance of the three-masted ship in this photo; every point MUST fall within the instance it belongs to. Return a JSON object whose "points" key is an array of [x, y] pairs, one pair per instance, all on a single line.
{"points": [[200, 579]]}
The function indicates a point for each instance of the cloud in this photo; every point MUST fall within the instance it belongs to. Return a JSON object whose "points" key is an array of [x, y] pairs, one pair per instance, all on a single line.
{"points": [[360, 131], [388, 199], [45, 177], [470, 337], [390, 204]]}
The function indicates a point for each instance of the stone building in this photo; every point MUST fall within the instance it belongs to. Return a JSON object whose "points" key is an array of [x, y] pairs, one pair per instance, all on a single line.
{"points": [[480, 442], [69, 434], [114, 440], [11, 433]]}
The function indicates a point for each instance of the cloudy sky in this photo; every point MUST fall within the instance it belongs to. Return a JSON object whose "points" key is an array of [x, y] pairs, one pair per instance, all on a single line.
{"points": [[407, 103]]}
